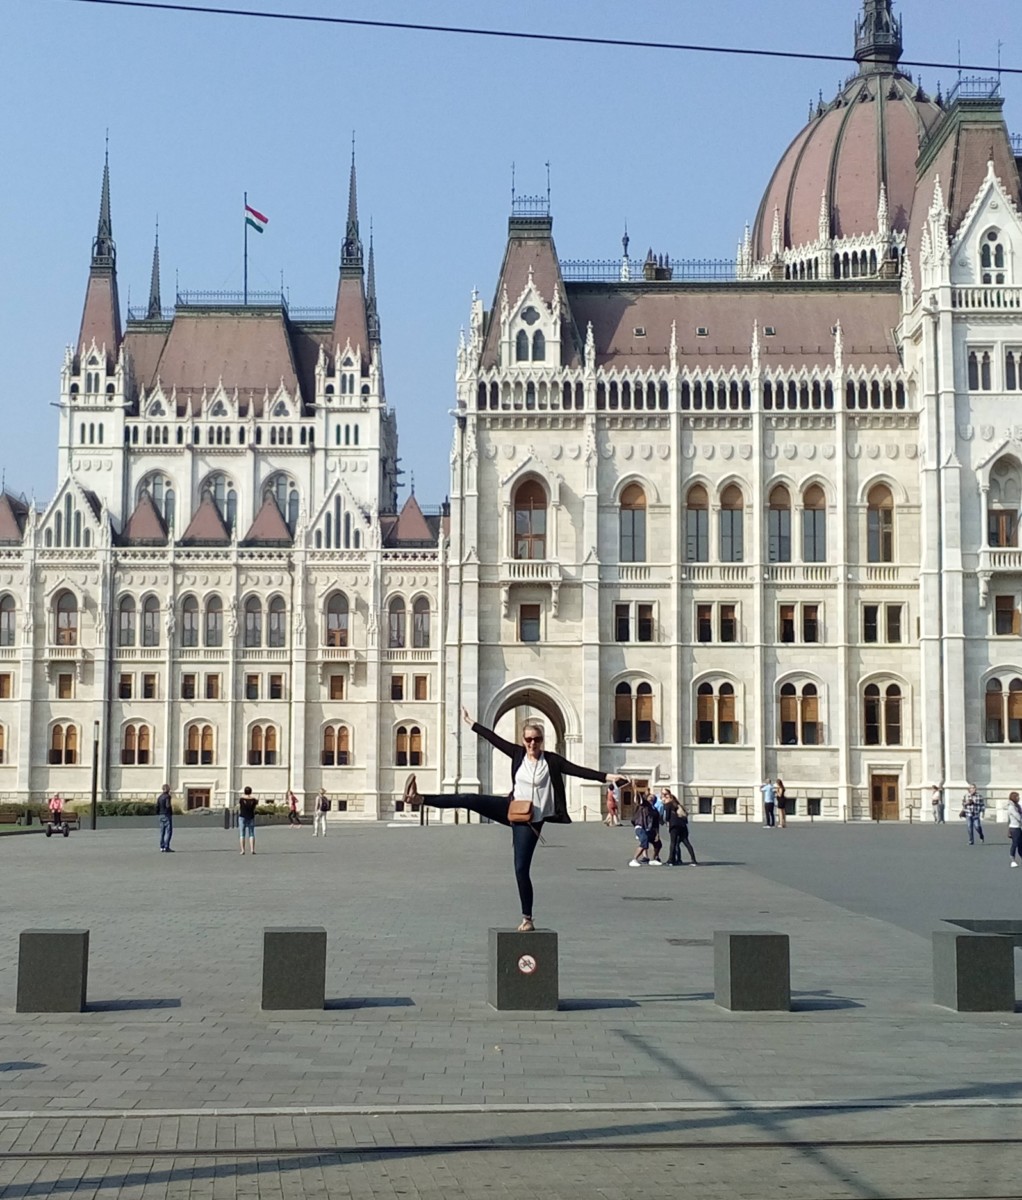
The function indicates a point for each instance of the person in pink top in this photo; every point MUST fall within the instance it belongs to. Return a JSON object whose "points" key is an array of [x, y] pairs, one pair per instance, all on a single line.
{"points": [[56, 807], [293, 820]]}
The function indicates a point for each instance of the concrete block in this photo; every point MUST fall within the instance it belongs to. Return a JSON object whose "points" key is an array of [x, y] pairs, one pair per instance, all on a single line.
{"points": [[973, 972], [751, 971], [523, 970], [53, 970], [294, 967]]}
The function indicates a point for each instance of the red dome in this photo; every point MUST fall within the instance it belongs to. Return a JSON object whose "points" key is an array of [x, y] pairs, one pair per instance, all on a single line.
{"points": [[869, 134]]}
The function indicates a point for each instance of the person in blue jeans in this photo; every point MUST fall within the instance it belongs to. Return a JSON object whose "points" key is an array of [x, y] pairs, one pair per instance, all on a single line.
{"points": [[165, 811], [246, 818], [536, 775], [972, 811]]}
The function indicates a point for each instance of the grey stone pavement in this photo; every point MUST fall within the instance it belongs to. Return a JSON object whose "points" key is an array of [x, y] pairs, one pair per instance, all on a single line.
{"points": [[176, 1084]]}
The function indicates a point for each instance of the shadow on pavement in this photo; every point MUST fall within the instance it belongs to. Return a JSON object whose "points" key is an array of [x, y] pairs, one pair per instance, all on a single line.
{"points": [[130, 1005], [349, 1002]]}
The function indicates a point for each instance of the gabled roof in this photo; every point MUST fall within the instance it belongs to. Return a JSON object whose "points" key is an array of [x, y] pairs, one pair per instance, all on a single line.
{"points": [[207, 527], [145, 526], [409, 527], [269, 528], [13, 514]]}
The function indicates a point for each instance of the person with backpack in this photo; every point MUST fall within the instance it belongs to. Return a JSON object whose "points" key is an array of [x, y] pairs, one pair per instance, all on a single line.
{"points": [[246, 819], [677, 823], [322, 808], [647, 828], [1015, 828]]}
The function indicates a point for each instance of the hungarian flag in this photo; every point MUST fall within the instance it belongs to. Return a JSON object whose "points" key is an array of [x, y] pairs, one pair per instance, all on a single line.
{"points": [[255, 218]]}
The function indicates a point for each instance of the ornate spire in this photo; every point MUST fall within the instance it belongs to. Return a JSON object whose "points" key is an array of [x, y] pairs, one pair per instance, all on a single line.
{"points": [[878, 43], [101, 315], [104, 252], [155, 310], [351, 255], [372, 315]]}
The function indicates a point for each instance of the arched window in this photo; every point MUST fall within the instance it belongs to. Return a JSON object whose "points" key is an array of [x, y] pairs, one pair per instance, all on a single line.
{"points": [[337, 620], [66, 614], [7, 622], [779, 525], [161, 491], [136, 745], [732, 505], [1003, 711], [336, 746], [396, 624], [189, 622], [1004, 498], [150, 621], [632, 525], [277, 622], [253, 621], [285, 492], [697, 524], [882, 715], [992, 258], [420, 623], [522, 346], [63, 745], [538, 346], [126, 621], [530, 505], [800, 716], [716, 715], [214, 621], [814, 525], [199, 744], [262, 746], [633, 714], [408, 746], [880, 524], [222, 491]]}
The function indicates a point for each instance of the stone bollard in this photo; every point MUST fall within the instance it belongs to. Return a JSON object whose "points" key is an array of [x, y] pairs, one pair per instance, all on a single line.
{"points": [[751, 971], [523, 970], [294, 967], [53, 969], [973, 972]]}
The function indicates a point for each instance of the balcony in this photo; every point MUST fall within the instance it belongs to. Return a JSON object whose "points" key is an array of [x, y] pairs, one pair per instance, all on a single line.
{"points": [[139, 654], [716, 573], [338, 654], [264, 654], [61, 656], [996, 560], [987, 299], [530, 570], [409, 656], [798, 573], [8, 652]]}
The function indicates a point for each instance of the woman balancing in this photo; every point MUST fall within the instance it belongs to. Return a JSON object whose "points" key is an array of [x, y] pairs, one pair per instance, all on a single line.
{"points": [[536, 777]]}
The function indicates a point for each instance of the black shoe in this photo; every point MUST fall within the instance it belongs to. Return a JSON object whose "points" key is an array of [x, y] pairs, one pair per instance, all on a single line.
{"points": [[168, 851]]}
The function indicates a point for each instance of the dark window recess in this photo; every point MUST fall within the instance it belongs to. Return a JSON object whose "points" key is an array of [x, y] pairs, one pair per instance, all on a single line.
{"points": [[704, 622], [728, 623], [705, 806], [622, 623], [644, 622], [810, 623], [730, 806], [787, 623], [870, 631]]}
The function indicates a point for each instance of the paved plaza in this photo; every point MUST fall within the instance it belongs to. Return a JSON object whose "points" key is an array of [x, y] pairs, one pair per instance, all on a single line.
{"points": [[176, 1084]]}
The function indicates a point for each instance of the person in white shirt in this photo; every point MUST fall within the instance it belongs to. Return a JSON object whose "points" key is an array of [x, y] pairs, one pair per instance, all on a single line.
{"points": [[537, 776], [1015, 828]]}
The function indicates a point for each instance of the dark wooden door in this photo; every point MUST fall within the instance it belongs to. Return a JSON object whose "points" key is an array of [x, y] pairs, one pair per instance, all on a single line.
{"points": [[197, 798], [885, 805]]}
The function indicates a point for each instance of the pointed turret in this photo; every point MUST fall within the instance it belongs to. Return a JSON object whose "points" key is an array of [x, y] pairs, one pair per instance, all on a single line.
{"points": [[372, 314], [155, 309], [351, 324], [101, 316], [878, 44]]}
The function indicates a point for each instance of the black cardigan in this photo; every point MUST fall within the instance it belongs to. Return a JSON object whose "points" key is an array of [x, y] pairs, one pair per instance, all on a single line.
{"points": [[558, 767]]}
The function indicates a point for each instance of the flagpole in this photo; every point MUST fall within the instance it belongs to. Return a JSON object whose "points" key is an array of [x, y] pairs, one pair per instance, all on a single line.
{"points": [[245, 215]]}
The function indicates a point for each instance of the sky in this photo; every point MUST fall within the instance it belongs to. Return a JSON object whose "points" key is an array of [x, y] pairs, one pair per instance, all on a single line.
{"points": [[201, 108]]}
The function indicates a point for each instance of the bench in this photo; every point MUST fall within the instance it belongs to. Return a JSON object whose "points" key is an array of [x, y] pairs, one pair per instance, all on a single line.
{"points": [[9, 818]]}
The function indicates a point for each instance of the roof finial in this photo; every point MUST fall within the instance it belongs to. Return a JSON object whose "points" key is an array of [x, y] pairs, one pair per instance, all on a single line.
{"points": [[512, 187], [352, 252], [413, 482], [372, 316], [155, 310], [548, 177], [103, 250]]}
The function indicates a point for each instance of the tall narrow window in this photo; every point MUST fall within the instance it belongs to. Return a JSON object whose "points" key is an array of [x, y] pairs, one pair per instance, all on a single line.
{"points": [[420, 623], [871, 715], [645, 726], [1007, 619], [415, 746], [337, 620], [814, 525], [704, 622], [1015, 711], [632, 520], [892, 715], [779, 526], [214, 621], [126, 621], [206, 753], [697, 525], [253, 621], [538, 347], [732, 547], [529, 622], [812, 730], [277, 622], [786, 623], [622, 622], [189, 622], [789, 715], [530, 516], [67, 619], [727, 716], [150, 621], [729, 623], [880, 524], [623, 727], [994, 712], [7, 621], [521, 355], [255, 746], [396, 624], [705, 723], [401, 746]]}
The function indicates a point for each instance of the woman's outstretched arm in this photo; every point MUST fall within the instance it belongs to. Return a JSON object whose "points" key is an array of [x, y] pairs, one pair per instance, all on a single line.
{"points": [[494, 739], [570, 768]]}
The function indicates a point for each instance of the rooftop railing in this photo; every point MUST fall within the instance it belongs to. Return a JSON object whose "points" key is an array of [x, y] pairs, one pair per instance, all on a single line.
{"points": [[616, 270]]}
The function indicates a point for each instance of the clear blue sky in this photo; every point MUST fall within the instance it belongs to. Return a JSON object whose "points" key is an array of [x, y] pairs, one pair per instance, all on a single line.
{"points": [[201, 108]]}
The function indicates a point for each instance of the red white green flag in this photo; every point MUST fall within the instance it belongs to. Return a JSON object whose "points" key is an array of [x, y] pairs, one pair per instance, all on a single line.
{"points": [[255, 219]]}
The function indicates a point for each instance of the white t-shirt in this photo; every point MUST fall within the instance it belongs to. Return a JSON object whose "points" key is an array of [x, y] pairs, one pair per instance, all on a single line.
{"points": [[532, 782], [1014, 816]]}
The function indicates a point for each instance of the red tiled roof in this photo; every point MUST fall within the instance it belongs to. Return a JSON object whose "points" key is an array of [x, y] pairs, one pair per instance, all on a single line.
{"points": [[145, 525], [101, 316], [411, 524], [207, 526], [269, 527], [12, 518], [350, 316]]}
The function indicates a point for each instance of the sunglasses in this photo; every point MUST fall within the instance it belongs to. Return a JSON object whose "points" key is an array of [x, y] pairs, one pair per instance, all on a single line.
{"points": [[532, 739]]}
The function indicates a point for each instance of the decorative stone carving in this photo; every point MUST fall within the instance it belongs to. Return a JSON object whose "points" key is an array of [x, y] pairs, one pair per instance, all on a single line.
{"points": [[966, 432], [770, 451], [911, 450], [745, 452], [510, 450], [809, 451], [709, 450], [663, 452], [688, 450], [646, 451], [873, 451], [627, 453], [491, 451], [575, 452], [557, 451], [986, 432], [607, 451], [892, 449], [829, 452], [790, 450], [854, 450], [727, 451]]}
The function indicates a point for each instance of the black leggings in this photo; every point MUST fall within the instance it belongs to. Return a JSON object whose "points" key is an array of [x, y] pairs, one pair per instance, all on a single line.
{"points": [[293, 818], [679, 838], [524, 836]]}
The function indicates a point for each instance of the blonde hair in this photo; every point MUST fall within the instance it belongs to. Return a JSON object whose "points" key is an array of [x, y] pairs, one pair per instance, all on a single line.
{"points": [[536, 727]]}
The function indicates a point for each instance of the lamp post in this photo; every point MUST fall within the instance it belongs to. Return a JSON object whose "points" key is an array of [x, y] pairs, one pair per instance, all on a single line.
{"points": [[95, 769]]}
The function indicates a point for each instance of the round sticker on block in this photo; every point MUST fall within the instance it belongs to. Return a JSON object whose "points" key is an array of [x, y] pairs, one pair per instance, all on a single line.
{"points": [[526, 964]]}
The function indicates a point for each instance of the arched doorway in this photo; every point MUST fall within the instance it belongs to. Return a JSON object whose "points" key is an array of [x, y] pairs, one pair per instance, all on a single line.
{"points": [[515, 711]]}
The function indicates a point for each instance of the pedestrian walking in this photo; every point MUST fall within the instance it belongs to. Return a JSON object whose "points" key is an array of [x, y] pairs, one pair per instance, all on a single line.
{"points": [[246, 819], [769, 800], [322, 808], [972, 810], [1015, 828], [538, 795], [937, 803], [612, 819], [165, 812], [677, 823], [293, 819], [647, 829], [781, 805]]}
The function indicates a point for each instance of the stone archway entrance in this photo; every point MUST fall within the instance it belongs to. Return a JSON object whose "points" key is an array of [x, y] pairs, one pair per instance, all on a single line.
{"points": [[528, 704]]}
